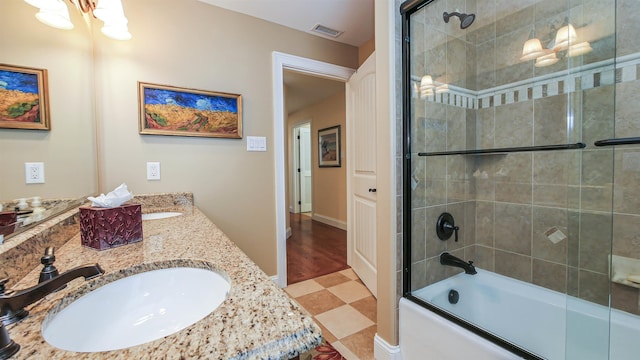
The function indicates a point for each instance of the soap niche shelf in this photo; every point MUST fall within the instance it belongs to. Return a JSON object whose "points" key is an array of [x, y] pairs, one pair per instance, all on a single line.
{"points": [[623, 268]]}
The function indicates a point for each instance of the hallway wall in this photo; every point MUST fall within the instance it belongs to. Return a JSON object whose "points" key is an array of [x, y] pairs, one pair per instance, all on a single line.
{"points": [[329, 184]]}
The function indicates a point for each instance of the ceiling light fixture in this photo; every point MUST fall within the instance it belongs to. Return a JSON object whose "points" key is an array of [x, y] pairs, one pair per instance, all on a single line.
{"points": [[532, 48], [566, 35], [546, 60], [56, 14], [428, 87], [426, 83], [564, 40]]}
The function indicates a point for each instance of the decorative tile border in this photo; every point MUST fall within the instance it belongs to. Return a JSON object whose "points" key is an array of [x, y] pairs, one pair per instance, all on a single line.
{"points": [[603, 73]]}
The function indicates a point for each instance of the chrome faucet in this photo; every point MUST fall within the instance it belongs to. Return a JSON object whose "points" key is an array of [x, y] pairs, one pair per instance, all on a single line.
{"points": [[448, 259], [12, 303]]}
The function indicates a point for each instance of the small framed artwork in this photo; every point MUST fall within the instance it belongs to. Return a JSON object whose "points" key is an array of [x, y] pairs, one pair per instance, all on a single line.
{"points": [[329, 148], [24, 98], [170, 110]]}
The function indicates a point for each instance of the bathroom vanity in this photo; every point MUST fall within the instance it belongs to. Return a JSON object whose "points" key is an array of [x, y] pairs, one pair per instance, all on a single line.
{"points": [[257, 320]]}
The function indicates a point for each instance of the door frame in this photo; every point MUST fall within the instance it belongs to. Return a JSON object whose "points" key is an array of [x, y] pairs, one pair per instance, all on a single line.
{"points": [[282, 61], [295, 194]]}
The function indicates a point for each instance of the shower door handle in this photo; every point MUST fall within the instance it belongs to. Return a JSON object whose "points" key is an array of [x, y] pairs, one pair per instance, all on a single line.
{"points": [[618, 141]]}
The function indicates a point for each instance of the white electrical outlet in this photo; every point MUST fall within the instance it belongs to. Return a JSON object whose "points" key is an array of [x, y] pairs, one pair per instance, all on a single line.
{"points": [[34, 172], [153, 171]]}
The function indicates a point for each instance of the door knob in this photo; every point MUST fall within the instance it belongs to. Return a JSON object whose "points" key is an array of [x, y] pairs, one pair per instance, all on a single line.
{"points": [[373, 190]]}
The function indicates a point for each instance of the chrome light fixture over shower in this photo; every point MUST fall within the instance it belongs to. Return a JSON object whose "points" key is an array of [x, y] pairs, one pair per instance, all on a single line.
{"points": [[56, 14], [465, 19]]}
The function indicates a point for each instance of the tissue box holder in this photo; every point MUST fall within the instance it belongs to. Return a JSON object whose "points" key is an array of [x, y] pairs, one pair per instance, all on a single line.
{"points": [[8, 222], [106, 228]]}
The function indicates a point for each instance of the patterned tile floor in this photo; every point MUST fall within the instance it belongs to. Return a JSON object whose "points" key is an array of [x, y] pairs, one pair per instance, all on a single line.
{"points": [[344, 309]]}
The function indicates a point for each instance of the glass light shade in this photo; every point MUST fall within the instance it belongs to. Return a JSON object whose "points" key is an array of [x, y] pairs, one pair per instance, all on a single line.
{"points": [[442, 88], [532, 49], [57, 17], [426, 82], [109, 11], [547, 60], [116, 31], [566, 35], [579, 49], [415, 89], [426, 93]]}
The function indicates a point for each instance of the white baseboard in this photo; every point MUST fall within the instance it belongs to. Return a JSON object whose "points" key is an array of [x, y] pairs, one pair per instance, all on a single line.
{"points": [[330, 221], [288, 232], [383, 351], [275, 279]]}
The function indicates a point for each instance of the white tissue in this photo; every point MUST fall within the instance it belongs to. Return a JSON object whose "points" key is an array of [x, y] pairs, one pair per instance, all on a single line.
{"points": [[115, 198]]}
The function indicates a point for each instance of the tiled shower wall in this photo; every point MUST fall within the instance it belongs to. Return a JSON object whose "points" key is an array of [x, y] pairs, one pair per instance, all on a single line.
{"points": [[626, 193], [504, 204]]}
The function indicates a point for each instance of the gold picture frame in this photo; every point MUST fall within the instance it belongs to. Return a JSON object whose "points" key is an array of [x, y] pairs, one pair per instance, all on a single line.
{"points": [[170, 110], [24, 98]]}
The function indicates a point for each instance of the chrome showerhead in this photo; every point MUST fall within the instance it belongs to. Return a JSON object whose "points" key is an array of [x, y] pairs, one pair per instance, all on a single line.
{"points": [[465, 19]]}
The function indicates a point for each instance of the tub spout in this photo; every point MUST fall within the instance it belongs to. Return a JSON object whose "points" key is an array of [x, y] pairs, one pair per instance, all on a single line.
{"points": [[448, 259]]}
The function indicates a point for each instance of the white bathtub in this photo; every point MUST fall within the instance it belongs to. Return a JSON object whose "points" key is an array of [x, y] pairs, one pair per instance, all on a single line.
{"points": [[544, 322]]}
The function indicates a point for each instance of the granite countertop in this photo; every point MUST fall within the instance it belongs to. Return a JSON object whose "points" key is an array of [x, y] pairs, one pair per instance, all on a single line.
{"points": [[256, 321]]}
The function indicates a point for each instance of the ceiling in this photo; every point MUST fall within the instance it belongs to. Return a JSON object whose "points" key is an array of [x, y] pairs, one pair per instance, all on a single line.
{"points": [[304, 90], [353, 17]]}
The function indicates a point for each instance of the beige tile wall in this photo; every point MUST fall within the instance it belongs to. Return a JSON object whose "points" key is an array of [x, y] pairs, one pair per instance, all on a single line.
{"points": [[504, 204]]}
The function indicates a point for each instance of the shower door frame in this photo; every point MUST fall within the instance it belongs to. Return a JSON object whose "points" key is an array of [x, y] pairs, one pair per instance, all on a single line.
{"points": [[406, 10]]}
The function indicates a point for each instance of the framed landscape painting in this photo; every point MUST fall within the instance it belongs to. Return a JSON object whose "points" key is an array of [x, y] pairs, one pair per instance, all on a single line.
{"points": [[329, 147], [24, 98], [169, 110]]}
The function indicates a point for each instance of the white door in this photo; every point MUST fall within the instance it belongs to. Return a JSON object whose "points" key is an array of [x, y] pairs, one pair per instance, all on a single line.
{"points": [[361, 173], [305, 168]]}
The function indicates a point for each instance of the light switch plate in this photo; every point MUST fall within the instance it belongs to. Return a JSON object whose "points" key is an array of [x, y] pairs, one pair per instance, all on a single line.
{"points": [[256, 143], [153, 171], [34, 172]]}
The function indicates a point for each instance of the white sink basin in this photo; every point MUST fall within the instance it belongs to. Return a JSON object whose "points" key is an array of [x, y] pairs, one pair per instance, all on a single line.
{"points": [[160, 215], [136, 309]]}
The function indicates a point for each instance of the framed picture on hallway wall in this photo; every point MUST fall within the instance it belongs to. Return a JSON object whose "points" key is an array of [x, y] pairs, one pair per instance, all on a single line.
{"points": [[170, 110], [24, 98], [329, 150]]}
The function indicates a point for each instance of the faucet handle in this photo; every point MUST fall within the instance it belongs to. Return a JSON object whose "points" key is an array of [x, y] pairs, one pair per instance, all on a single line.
{"points": [[49, 257], [49, 271], [3, 289], [7, 346], [3, 282]]}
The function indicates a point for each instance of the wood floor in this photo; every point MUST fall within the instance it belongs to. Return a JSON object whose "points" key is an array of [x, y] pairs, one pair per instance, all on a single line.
{"points": [[314, 249]]}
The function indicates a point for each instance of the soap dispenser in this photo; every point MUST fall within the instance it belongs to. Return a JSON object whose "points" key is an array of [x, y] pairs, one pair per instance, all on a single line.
{"points": [[38, 210], [22, 204]]}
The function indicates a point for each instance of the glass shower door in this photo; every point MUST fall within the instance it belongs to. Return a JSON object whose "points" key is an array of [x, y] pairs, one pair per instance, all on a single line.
{"points": [[505, 102]]}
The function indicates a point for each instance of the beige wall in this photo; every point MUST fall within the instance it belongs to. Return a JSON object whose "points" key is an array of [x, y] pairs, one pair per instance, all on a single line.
{"points": [[329, 184], [198, 46], [68, 150], [365, 50], [386, 18]]}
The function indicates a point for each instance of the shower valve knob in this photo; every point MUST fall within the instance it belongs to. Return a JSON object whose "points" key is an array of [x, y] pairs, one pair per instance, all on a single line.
{"points": [[454, 228], [446, 226]]}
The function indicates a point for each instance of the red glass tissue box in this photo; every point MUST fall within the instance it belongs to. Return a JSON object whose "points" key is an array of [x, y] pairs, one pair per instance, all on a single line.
{"points": [[106, 228]]}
